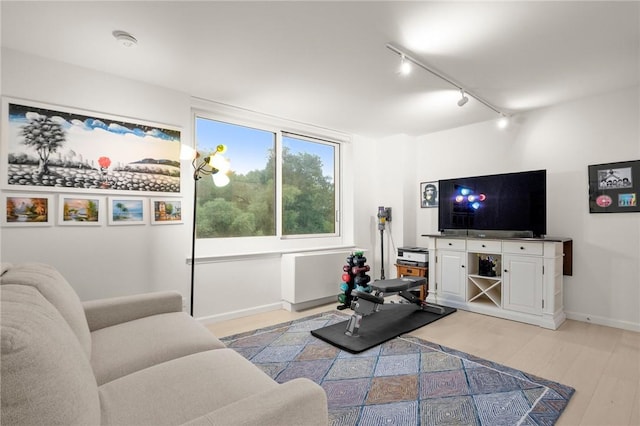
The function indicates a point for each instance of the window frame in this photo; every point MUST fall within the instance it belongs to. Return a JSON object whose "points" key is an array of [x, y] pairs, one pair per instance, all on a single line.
{"points": [[278, 243]]}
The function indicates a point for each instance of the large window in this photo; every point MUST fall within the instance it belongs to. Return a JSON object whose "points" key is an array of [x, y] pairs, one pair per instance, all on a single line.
{"points": [[282, 184]]}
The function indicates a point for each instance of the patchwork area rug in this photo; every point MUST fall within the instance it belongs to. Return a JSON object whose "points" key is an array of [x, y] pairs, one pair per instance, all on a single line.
{"points": [[404, 381]]}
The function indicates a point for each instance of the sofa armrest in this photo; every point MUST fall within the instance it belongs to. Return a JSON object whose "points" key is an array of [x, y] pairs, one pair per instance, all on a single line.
{"points": [[297, 402], [103, 313]]}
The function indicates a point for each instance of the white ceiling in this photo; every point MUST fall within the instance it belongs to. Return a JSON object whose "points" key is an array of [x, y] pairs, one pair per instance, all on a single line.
{"points": [[325, 63]]}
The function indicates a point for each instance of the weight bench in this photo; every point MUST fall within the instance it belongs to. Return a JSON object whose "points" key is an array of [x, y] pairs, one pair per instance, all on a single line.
{"points": [[364, 304]]}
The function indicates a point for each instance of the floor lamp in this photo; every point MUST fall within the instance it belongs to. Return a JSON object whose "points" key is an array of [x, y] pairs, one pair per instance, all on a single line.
{"points": [[216, 166]]}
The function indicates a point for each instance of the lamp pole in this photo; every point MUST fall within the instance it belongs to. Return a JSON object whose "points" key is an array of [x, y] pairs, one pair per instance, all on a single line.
{"points": [[196, 178], [211, 165]]}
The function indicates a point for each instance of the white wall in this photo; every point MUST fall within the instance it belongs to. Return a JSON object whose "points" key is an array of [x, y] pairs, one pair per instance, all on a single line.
{"points": [[564, 140], [113, 261], [101, 261], [383, 170], [109, 261]]}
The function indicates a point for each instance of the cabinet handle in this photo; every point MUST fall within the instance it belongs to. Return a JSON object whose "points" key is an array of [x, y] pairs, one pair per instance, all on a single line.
{"points": [[505, 271], [483, 246], [450, 244], [462, 266], [521, 248]]}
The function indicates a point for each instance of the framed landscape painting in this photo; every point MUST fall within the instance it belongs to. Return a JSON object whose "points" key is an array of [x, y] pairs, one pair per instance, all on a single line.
{"points": [[166, 211], [614, 187], [27, 210], [52, 148], [127, 211], [80, 211]]}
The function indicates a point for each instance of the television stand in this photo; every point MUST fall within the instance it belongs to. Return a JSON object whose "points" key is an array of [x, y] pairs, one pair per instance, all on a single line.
{"points": [[520, 279]]}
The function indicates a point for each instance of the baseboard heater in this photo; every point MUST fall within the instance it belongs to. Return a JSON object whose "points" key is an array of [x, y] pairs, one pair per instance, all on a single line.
{"points": [[312, 278]]}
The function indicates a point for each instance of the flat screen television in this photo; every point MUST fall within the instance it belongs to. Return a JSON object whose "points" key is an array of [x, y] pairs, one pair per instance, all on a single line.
{"points": [[501, 204]]}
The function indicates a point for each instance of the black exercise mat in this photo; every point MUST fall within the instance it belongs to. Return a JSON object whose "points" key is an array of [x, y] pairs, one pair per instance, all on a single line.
{"points": [[391, 321]]}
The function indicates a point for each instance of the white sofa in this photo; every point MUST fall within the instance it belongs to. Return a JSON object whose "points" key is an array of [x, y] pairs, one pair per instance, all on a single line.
{"points": [[135, 360]]}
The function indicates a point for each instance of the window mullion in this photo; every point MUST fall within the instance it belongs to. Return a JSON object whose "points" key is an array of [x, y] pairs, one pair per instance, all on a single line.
{"points": [[278, 189], [337, 167]]}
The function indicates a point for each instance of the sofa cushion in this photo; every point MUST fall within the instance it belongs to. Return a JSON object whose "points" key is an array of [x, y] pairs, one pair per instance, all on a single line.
{"points": [[131, 346], [296, 402], [46, 376], [183, 389], [52, 285]]}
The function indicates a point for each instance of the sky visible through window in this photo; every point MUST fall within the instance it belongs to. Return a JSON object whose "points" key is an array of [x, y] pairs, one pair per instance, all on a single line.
{"points": [[248, 148]]}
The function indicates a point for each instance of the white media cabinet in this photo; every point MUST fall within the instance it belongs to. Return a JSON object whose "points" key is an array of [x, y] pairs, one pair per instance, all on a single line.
{"points": [[527, 285]]}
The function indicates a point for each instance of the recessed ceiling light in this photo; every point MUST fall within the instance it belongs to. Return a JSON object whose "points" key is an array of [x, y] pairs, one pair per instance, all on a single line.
{"points": [[125, 39]]}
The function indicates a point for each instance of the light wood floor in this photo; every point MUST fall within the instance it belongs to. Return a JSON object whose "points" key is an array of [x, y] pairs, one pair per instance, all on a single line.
{"points": [[601, 363]]}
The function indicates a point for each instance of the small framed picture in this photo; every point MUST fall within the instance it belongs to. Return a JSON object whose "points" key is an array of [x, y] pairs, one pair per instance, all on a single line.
{"points": [[614, 187], [80, 210], [127, 211], [166, 211], [27, 210], [429, 194]]}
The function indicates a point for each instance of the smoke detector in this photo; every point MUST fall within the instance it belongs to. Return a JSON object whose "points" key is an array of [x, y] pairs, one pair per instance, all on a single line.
{"points": [[124, 38]]}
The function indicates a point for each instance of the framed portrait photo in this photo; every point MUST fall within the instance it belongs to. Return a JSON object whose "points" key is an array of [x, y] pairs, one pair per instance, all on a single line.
{"points": [[81, 210], [166, 211], [429, 194], [613, 187], [27, 210]]}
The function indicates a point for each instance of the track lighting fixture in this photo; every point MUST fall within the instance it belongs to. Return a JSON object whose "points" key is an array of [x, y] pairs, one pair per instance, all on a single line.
{"points": [[463, 99], [407, 60]]}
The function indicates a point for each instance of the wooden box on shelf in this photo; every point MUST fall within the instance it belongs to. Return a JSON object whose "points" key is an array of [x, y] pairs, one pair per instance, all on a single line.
{"points": [[415, 271]]}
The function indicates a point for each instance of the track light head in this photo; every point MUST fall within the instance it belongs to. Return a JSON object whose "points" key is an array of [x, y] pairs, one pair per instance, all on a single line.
{"points": [[405, 66], [463, 100], [503, 122]]}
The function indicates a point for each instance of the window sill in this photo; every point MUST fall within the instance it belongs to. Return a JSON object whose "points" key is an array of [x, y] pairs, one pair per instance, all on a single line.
{"points": [[234, 257]]}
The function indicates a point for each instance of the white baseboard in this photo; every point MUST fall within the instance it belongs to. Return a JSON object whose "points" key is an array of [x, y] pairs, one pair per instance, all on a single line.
{"points": [[240, 313], [625, 325]]}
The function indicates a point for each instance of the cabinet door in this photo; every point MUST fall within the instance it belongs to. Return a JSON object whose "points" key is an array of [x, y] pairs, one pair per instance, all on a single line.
{"points": [[451, 274], [522, 280]]}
